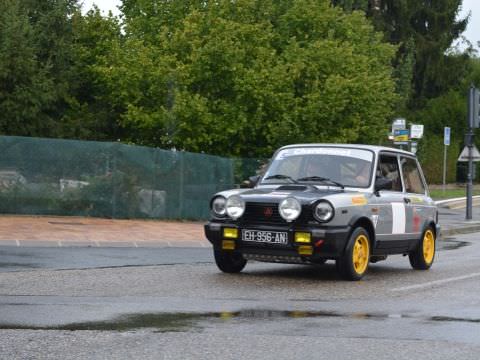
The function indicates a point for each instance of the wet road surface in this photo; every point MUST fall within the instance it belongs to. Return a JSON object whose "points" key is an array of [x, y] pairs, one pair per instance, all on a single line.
{"points": [[174, 304], [32, 258]]}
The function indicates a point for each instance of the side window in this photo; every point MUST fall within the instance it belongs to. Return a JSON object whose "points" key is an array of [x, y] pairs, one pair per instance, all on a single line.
{"points": [[411, 176], [388, 167]]}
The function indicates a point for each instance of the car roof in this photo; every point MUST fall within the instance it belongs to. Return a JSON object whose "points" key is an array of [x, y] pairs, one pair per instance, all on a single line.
{"points": [[374, 148]]}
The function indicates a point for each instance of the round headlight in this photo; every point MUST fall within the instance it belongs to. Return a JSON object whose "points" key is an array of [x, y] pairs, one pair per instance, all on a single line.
{"points": [[323, 211], [290, 209], [235, 206], [219, 206]]}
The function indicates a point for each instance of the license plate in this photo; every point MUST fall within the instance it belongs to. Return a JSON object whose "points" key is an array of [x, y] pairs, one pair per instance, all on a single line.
{"points": [[270, 237]]}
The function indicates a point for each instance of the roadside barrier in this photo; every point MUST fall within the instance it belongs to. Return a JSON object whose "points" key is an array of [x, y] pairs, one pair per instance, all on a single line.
{"points": [[106, 179]]}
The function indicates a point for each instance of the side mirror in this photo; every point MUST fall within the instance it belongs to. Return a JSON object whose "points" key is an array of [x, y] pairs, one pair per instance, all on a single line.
{"points": [[383, 183], [251, 182]]}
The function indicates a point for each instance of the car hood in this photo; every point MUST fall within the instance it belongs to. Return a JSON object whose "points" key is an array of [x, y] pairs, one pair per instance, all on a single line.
{"points": [[306, 194]]}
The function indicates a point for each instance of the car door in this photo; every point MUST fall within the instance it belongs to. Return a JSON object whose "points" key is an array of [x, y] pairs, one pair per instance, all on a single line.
{"points": [[391, 207], [418, 204]]}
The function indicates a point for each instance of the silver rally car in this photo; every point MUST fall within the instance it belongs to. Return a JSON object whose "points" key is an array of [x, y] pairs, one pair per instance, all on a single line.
{"points": [[354, 204]]}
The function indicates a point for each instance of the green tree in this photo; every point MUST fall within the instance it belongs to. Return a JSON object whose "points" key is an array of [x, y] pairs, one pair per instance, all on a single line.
{"points": [[431, 26], [424, 32], [26, 90], [243, 78], [90, 112], [36, 65]]}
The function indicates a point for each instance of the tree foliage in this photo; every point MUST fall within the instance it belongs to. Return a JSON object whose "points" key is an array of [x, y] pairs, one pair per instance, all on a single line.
{"points": [[27, 90], [47, 49], [243, 78]]}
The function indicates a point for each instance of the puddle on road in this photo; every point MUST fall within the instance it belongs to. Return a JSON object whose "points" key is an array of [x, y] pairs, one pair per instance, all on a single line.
{"points": [[179, 322], [9, 265], [453, 319], [182, 322], [163, 322], [451, 244]]}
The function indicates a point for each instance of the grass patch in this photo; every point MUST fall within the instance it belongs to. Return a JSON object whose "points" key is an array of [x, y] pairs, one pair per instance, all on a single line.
{"points": [[439, 194]]}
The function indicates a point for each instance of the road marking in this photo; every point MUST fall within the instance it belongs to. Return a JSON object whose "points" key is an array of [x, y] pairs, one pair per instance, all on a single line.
{"points": [[437, 282], [18, 242]]}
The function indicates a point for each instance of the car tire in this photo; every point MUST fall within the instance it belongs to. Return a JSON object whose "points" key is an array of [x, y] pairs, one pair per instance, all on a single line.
{"points": [[422, 257], [229, 261], [354, 263]]}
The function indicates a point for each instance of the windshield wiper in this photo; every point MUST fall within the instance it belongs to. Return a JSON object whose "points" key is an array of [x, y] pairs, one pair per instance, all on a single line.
{"points": [[281, 176], [321, 179]]}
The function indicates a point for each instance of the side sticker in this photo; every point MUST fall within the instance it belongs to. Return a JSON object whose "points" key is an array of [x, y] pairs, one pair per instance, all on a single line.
{"points": [[359, 200], [398, 218]]}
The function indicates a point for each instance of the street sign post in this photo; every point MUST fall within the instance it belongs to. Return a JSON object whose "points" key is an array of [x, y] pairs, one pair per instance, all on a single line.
{"points": [[446, 142]]}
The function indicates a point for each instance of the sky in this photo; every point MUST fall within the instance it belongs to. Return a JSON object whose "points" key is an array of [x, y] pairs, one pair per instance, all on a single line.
{"points": [[472, 33], [473, 29]]}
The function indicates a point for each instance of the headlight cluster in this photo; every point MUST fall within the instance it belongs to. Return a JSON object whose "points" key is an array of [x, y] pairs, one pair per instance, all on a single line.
{"points": [[233, 206], [219, 206], [289, 209], [323, 211]]}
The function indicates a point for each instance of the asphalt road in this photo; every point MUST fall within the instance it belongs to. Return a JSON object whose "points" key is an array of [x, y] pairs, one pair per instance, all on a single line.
{"points": [[128, 303]]}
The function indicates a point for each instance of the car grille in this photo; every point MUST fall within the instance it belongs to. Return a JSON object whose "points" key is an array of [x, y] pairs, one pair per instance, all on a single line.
{"points": [[267, 213]]}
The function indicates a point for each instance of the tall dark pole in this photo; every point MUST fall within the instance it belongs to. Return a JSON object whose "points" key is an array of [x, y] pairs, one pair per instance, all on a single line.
{"points": [[469, 141]]}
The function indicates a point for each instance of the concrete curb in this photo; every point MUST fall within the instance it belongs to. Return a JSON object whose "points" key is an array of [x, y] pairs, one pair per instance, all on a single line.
{"points": [[460, 230], [457, 203], [105, 244]]}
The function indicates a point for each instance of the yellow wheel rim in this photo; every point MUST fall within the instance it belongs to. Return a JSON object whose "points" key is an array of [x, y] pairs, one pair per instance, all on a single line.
{"points": [[428, 247], [361, 254]]}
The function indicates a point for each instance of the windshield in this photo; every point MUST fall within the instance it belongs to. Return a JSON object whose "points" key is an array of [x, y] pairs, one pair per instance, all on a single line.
{"points": [[321, 165]]}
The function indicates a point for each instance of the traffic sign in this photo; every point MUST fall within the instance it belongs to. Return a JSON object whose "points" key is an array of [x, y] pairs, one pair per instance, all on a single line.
{"points": [[413, 147], [446, 136], [416, 131], [401, 136], [399, 124], [464, 155]]}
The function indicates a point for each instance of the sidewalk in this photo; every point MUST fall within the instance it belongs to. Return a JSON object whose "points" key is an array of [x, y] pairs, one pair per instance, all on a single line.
{"points": [[95, 232], [452, 220]]}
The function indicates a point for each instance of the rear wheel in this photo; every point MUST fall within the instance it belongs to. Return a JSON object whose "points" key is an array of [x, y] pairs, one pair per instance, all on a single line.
{"points": [[229, 261], [422, 257], [354, 262]]}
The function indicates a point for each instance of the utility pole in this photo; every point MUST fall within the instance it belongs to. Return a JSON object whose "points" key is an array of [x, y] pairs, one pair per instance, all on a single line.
{"points": [[473, 122]]}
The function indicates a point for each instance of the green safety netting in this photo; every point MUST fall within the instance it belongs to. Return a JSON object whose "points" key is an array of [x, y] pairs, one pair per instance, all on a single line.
{"points": [[87, 178]]}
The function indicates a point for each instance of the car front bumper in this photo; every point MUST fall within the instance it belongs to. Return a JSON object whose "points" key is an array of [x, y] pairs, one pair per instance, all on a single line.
{"points": [[326, 242]]}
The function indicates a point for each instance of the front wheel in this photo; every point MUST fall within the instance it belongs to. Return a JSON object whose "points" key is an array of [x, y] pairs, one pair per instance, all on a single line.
{"points": [[354, 262], [422, 257], [229, 262]]}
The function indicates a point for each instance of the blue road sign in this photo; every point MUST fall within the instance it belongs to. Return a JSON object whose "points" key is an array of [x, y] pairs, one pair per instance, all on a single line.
{"points": [[446, 136]]}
